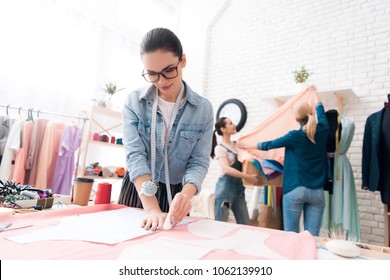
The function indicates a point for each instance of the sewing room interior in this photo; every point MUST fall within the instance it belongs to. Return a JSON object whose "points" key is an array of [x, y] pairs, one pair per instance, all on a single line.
{"points": [[274, 118]]}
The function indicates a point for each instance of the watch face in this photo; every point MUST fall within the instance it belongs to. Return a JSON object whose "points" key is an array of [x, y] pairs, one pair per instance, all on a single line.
{"points": [[235, 110]]}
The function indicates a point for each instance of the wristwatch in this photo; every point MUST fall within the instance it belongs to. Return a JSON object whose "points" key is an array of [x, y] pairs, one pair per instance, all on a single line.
{"points": [[149, 188]]}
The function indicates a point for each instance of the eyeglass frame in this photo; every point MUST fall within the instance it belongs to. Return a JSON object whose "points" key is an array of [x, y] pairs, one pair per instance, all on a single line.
{"points": [[161, 73]]}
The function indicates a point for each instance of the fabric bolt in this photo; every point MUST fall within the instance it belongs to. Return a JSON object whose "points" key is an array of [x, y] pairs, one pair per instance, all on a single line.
{"points": [[341, 207], [34, 147], [64, 168], [18, 174], [11, 147], [48, 154]]}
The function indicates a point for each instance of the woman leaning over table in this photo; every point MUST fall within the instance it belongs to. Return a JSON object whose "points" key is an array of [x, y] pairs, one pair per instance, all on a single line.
{"points": [[167, 135], [305, 167]]}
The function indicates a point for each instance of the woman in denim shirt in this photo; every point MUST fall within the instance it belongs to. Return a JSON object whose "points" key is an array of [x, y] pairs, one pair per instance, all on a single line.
{"points": [[305, 167], [167, 130], [230, 191]]}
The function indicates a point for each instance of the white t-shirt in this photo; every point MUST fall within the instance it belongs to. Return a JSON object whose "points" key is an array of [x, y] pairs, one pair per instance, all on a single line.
{"points": [[166, 109], [221, 151]]}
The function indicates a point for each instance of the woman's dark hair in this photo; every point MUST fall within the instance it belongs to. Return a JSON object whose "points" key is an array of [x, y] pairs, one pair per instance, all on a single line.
{"points": [[220, 123], [161, 39]]}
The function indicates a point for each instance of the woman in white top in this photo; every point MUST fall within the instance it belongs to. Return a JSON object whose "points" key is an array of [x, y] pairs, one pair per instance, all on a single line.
{"points": [[230, 191]]}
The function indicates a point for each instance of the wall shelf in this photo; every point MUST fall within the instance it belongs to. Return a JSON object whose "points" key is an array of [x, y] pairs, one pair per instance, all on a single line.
{"points": [[339, 94]]}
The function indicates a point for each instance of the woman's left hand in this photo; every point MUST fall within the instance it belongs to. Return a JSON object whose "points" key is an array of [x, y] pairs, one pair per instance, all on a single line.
{"points": [[180, 207]]}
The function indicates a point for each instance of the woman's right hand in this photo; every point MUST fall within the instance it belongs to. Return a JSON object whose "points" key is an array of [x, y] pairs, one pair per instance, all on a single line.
{"points": [[253, 179], [154, 220]]}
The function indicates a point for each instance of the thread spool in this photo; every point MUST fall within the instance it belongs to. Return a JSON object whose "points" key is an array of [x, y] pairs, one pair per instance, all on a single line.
{"points": [[103, 193]]}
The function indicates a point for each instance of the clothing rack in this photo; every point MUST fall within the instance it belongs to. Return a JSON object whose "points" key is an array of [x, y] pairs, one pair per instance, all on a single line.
{"points": [[38, 112], [32, 110]]}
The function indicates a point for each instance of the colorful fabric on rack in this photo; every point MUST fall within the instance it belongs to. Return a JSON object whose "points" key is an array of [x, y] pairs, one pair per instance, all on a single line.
{"points": [[38, 132], [5, 125], [48, 153], [19, 171], [11, 147], [64, 168]]}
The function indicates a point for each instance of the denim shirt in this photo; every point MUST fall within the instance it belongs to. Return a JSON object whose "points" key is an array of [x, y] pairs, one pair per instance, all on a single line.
{"points": [[189, 144]]}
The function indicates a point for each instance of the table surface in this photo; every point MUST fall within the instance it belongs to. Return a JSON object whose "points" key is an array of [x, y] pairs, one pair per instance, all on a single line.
{"points": [[287, 244]]}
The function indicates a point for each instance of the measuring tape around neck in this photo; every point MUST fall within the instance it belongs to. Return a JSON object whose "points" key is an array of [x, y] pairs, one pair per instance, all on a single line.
{"points": [[168, 134]]}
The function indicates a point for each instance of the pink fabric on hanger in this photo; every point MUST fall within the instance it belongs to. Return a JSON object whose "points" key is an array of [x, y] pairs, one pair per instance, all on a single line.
{"points": [[39, 127], [277, 125], [48, 154], [21, 156]]}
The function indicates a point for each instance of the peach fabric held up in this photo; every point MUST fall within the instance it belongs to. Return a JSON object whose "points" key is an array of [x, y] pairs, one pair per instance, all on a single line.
{"points": [[277, 125]]}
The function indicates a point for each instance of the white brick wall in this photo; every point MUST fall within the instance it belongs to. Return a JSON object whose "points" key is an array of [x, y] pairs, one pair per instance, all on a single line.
{"points": [[255, 45]]}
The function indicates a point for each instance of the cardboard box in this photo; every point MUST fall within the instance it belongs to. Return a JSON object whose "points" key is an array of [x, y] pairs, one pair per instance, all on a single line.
{"points": [[44, 202]]}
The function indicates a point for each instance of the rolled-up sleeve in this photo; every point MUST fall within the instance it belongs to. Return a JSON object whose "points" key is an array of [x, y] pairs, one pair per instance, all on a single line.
{"points": [[198, 164], [136, 157]]}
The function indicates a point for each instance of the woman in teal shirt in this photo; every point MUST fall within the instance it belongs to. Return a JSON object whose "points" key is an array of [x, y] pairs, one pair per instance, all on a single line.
{"points": [[305, 167]]}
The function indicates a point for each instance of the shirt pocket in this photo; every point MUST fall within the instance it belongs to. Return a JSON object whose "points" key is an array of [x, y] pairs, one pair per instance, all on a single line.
{"points": [[187, 143], [144, 134]]}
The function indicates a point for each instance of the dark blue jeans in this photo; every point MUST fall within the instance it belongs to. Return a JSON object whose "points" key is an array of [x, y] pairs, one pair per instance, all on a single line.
{"points": [[230, 194]]}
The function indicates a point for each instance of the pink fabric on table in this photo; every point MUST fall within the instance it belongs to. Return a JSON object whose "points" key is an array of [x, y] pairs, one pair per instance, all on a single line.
{"points": [[288, 244], [277, 125], [19, 171]]}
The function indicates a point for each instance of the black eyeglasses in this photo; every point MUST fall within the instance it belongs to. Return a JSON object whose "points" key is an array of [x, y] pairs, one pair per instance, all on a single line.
{"points": [[167, 73]]}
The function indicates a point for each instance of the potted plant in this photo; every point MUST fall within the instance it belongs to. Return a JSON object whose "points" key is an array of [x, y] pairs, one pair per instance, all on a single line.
{"points": [[300, 77], [110, 89]]}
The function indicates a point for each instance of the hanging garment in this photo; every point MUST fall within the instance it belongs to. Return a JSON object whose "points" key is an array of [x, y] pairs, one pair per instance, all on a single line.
{"points": [[38, 132], [373, 153], [11, 147], [48, 153], [5, 125], [64, 168], [341, 208], [283, 119], [19, 171]]}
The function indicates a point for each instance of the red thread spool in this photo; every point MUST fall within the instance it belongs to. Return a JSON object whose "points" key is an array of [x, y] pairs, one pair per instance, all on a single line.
{"points": [[103, 193]]}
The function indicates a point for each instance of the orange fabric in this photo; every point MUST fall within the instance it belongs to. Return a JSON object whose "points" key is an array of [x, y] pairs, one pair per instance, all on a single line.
{"points": [[277, 125]]}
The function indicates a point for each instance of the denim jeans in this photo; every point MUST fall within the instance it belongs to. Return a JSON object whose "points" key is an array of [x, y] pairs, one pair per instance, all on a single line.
{"points": [[230, 194], [311, 202]]}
